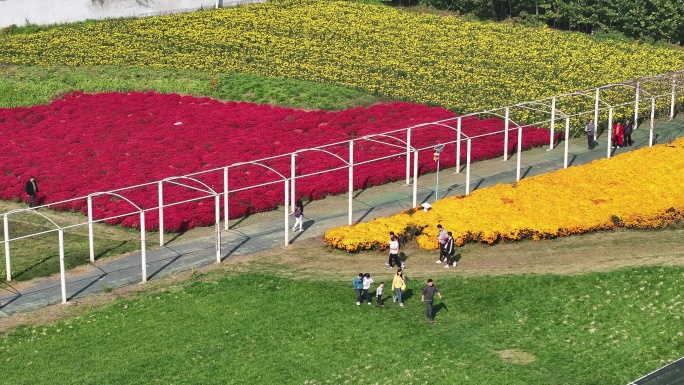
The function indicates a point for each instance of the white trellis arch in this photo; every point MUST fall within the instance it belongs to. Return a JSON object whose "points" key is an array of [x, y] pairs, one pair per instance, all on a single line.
{"points": [[286, 189], [207, 189], [143, 251]]}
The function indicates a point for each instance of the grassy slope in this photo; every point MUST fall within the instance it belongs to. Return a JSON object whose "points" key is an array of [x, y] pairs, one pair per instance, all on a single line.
{"points": [[30, 85], [260, 328]]}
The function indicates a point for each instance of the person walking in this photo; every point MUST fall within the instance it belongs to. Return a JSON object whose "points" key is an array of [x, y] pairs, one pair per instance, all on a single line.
{"points": [[618, 134], [399, 285], [449, 251], [590, 130], [367, 282], [378, 294], [394, 253], [298, 214], [32, 190], [428, 296], [442, 238], [629, 128], [358, 287]]}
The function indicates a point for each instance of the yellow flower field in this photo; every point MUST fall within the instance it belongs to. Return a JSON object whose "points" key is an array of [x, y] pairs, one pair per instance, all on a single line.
{"points": [[638, 189], [459, 64]]}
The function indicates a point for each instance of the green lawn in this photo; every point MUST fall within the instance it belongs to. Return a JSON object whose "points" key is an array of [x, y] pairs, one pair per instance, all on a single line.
{"points": [[30, 85], [599, 328]]}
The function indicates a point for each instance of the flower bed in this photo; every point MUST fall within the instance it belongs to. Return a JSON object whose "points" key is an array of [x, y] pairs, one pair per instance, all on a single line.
{"points": [[638, 189], [460, 64], [89, 143]]}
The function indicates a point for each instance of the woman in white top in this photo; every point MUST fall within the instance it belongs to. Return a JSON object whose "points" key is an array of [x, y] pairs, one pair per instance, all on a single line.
{"points": [[394, 253]]}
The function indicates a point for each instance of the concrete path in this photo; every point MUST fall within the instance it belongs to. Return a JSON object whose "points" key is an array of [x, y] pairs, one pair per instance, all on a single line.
{"points": [[247, 238]]}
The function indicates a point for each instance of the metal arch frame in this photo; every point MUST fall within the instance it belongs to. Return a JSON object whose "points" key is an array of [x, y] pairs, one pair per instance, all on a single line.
{"points": [[217, 209], [656, 80], [141, 211], [407, 147], [554, 110], [286, 202], [350, 166], [5, 220]]}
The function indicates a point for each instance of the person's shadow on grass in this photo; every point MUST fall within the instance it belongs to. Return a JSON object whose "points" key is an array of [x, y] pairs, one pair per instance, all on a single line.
{"points": [[438, 307]]}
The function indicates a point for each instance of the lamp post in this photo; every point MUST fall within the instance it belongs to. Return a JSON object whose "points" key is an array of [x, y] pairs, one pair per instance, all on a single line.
{"points": [[438, 151]]}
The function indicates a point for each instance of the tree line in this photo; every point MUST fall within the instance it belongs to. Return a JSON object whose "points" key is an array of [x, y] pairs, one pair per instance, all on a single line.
{"points": [[657, 20]]}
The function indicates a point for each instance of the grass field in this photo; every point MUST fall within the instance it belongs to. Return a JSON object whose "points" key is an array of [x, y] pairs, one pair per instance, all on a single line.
{"points": [[31, 85], [597, 328]]}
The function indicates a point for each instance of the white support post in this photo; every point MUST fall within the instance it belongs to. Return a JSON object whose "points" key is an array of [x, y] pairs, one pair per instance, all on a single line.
{"points": [[458, 146], [415, 178], [519, 160], [217, 4], [596, 112], [62, 272], [553, 123], [650, 134], [468, 152], [567, 140], [506, 125], [609, 146], [143, 254], [636, 106], [674, 93], [161, 213], [91, 238], [217, 199], [287, 214], [351, 179], [8, 270], [292, 181], [408, 156], [225, 198]]}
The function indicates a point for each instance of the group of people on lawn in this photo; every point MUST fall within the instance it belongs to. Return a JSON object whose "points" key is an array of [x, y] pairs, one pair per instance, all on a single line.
{"points": [[621, 135], [363, 282]]}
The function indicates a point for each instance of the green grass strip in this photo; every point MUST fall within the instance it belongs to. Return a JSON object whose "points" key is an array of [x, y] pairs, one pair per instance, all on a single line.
{"points": [[599, 328]]}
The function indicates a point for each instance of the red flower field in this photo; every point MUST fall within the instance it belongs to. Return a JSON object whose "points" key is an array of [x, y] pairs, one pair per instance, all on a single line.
{"points": [[88, 143]]}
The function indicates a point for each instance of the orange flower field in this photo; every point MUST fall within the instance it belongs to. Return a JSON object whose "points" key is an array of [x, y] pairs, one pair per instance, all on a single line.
{"points": [[639, 189]]}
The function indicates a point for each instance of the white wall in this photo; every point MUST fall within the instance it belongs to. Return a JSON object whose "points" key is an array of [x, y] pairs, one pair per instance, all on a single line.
{"points": [[61, 11]]}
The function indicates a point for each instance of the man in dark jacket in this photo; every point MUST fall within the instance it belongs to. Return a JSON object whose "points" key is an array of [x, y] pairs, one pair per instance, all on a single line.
{"points": [[628, 129], [31, 190]]}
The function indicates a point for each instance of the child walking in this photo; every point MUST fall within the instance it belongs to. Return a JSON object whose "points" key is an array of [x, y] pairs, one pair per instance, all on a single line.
{"points": [[367, 282], [398, 285], [378, 294], [358, 287]]}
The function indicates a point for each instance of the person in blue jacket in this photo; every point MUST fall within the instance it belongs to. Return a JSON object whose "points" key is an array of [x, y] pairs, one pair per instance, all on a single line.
{"points": [[358, 287]]}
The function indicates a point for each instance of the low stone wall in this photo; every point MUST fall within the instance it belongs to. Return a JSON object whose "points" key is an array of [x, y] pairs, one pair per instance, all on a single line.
{"points": [[21, 12]]}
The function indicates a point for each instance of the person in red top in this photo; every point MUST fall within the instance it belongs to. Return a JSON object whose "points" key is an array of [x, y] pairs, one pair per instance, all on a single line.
{"points": [[618, 135]]}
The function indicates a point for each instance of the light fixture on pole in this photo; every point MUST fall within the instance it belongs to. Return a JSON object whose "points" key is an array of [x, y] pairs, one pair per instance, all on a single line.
{"points": [[436, 155]]}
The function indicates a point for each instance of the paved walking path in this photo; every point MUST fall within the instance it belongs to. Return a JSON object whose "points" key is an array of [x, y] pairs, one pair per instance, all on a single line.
{"points": [[245, 238]]}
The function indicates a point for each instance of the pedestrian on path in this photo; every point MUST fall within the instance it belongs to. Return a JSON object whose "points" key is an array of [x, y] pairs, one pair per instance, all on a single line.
{"points": [[629, 129], [428, 296], [590, 130], [394, 253], [442, 237], [367, 282], [298, 214], [618, 134], [378, 294], [449, 250], [358, 287], [398, 286], [32, 190]]}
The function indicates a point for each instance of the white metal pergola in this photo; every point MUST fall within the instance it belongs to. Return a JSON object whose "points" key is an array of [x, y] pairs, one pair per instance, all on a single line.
{"points": [[662, 90]]}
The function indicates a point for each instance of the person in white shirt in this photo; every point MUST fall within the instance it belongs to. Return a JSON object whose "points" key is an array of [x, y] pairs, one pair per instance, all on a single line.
{"points": [[378, 294], [367, 282], [394, 253]]}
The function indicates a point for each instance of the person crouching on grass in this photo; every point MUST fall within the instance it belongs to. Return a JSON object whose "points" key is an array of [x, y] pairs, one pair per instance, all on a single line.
{"points": [[428, 296]]}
